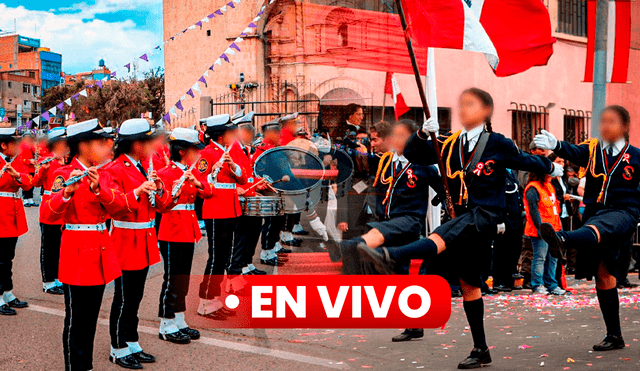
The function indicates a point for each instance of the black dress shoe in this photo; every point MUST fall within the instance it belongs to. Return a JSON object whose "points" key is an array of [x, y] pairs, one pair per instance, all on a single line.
{"points": [[255, 272], [6, 310], [610, 342], [476, 359], [379, 257], [625, 284], [551, 237], [177, 337], [191, 333], [503, 288], [293, 242], [126, 362], [283, 251], [17, 303], [408, 334], [55, 290], [143, 357], [274, 262], [301, 233], [456, 293]]}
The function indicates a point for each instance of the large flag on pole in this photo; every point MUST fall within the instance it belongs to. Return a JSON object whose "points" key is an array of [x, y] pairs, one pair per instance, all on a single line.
{"points": [[618, 40], [391, 87]]}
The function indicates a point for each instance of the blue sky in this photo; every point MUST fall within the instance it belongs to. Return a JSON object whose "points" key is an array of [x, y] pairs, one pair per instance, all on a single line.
{"points": [[84, 31]]}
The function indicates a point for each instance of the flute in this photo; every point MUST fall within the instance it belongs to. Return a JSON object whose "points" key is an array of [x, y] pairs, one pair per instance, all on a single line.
{"points": [[152, 194], [214, 176], [178, 185], [4, 168], [78, 178], [46, 161]]}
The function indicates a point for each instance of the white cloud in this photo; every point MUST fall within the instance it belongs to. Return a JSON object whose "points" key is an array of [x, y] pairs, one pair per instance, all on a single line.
{"points": [[82, 44], [85, 10]]}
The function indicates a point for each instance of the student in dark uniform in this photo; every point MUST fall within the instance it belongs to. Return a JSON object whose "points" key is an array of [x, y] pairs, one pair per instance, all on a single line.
{"points": [[612, 199], [476, 161]]}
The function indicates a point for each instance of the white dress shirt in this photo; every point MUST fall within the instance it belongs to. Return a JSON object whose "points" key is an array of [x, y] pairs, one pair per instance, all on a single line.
{"points": [[472, 136], [617, 146]]}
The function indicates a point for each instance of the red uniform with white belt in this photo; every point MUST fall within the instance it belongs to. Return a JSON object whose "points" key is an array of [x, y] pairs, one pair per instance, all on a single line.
{"points": [[13, 222]]}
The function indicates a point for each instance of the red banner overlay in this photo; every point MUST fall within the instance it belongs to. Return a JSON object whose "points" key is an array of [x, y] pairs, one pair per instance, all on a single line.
{"points": [[329, 302]]}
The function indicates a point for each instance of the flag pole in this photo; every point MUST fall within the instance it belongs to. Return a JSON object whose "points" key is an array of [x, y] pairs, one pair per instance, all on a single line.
{"points": [[425, 107], [599, 99], [384, 100]]}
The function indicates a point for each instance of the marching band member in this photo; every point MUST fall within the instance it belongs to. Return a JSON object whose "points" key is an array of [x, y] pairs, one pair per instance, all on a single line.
{"points": [[246, 238], [133, 235], [50, 222], [611, 168], [289, 132], [87, 259], [13, 222], [218, 166], [27, 157], [476, 160], [179, 232]]}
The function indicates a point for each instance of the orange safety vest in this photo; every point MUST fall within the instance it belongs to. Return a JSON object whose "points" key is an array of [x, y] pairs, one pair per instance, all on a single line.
{"points": [[547, 207]]}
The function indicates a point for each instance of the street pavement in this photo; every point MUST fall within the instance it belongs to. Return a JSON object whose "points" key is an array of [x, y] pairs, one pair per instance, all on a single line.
{"points": [[526, 332]]}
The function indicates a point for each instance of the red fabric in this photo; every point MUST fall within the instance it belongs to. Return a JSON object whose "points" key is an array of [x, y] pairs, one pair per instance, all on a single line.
{"points": [[521, 33], [13, 221], [286, 137], [25, 155], [400, 106], [435, 23], [44, 178], [388, 84], [244, 161]]}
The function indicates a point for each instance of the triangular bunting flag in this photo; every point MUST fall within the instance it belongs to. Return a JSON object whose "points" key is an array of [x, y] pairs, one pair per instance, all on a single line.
{"points": [[236, 1], [223, 8], [246, 31], [157, 47], [172, 38], [68, 102], [144, 57], [53, 111], [230, 51], [83, 93], [190, 92], [196, 87], [45, 116], [218, 62], [173, 111], [179, 106], [205, 20], [99, 84], [261, 12], [60, 107], [211, 68], [184, 96], [238, 40], [211, 15], [256, 19], [218, 12], [185, 30], [167, 118], [199, 23], [231, 4], [192, 27], [224, 56], [234, 46], [252, 25], [37, 120], [113, 74], [203, 80], [128, 66], [76, 97]]}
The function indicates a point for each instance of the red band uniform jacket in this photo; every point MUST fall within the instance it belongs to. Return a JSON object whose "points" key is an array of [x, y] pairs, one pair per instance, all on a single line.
{"points": [[136, 248], [87, 258], [224, 203], [180, 225], [13, 222], [246, 163], [44, 178]]}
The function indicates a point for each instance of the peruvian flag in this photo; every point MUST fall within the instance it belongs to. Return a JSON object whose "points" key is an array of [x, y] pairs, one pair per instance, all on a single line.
{"points": [[517, 33], [391, 87], [618, 41]]}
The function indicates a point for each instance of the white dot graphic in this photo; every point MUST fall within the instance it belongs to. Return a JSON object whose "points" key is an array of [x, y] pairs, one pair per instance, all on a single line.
{"points": [[232, 301]]}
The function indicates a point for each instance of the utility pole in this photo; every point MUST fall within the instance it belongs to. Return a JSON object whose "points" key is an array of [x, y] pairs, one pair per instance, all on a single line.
{"points": [[599, 66]]}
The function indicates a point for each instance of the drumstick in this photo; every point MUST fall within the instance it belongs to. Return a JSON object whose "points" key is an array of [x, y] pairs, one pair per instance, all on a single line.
{"points": [[284, 179]]}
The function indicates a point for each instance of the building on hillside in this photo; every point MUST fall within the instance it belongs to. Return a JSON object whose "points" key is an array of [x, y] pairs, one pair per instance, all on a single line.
{"points": [[316, 56], [50, 69], [89, 77]]}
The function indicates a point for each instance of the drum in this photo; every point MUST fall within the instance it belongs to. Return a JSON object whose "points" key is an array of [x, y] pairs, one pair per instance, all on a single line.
{"points": [[305, 173], [262, 206], [337, 160]]}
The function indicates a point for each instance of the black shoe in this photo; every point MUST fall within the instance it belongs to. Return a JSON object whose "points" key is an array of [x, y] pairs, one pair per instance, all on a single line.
{"points": [[274, 262], [55, 290], [380, 258], [503, 288], [6, 310], [126, 362], [518, 287], [191, 333], [143, 357], [476, 359], [301, 233], [215, 315], [16, 303], [625, 284], [456, 293], [610, 342], [283, 251], [551, 237], [488, 291], [177, 337], [293, 242], [517, 276], [408, 334], [255, 272]]}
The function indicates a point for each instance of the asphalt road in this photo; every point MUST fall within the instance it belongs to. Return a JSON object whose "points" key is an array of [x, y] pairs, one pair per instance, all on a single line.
{"points": [[525, 332]]}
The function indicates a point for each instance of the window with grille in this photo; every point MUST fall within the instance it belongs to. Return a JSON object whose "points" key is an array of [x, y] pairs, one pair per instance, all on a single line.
{"points": [[572, 17], [526, 122], [576, 125]]}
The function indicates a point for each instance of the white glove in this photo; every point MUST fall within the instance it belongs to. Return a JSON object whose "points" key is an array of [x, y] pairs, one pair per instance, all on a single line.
{"points": [[545, 140], [557, 170], [501, 228], [430, 126], [318, 227]]}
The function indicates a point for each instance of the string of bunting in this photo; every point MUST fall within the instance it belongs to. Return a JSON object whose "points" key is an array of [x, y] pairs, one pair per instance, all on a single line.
{"points": [[230, 51], [60, 107]]}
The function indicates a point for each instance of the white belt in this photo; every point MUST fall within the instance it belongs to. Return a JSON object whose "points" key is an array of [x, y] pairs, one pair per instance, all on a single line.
{"points": [[225, 186], [9, 194], [184, 207], [134, 225], [47, 193], [86, 227]]}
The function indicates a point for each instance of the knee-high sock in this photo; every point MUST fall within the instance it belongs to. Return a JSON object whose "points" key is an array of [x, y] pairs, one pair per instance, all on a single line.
{"points": [[610, 307], [581, 236], [474, 310]]}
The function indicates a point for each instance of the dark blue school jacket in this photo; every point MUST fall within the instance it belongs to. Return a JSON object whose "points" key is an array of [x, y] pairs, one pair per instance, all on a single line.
{"points": [[486, 186], [620, 190]]}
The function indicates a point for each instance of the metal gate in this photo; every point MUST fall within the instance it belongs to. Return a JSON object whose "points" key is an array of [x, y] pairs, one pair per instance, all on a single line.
{"points": [[527, 121]]}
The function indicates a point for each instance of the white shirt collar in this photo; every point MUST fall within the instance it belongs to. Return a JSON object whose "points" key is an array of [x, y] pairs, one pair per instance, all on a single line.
{"points": [[402, 159], [218, 145], [134, 162], [617, 146], [81, 164], [181, 166], [473, 133], [356, 126]]}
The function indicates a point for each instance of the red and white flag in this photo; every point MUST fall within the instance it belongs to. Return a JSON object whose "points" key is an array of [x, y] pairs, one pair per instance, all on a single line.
{"points": [[618, 41], [391, 87]]}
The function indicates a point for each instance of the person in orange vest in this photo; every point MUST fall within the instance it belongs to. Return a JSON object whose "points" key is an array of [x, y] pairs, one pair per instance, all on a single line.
{"points": [[13, 222], [88, 261], [50, 222], [541, 206], [218, 167], [26, 156], [179, 233], [134, 236]]}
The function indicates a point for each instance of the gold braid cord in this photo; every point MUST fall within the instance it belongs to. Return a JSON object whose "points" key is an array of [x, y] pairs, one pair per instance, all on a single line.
{"points": [[458, 174], [385, 161], [591, 166]]}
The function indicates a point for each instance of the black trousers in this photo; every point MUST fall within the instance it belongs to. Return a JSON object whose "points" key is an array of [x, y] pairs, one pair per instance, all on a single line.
{"points": [[177, 258], [271, 231], [245, 242], [7, 253], [290, 221], [50, 236], [28, 194], [506, 251], [219, 234], [82, 307], [127, 295]]}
